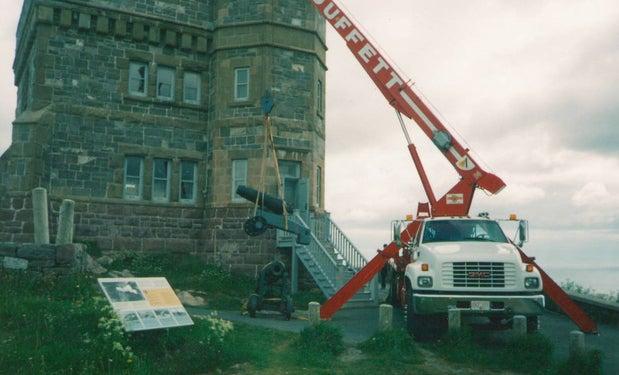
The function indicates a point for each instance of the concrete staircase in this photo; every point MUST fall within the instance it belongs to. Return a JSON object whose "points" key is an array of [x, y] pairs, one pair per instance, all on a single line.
{"points": [[331, 258]]}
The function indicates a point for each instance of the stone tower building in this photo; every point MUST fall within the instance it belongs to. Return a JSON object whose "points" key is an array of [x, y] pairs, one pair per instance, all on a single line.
{"points": [[147, 114]]}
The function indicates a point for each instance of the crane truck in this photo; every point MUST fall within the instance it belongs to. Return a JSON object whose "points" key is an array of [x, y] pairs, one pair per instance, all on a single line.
{"points": [[444, 257]]}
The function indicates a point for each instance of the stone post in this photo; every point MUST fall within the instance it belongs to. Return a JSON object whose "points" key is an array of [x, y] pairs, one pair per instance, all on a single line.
{"points": [[41, 222], [294, 271], [454, 319], [385, 317], [577, 342], [65, 223], [520, 326], [313, 311], [374, 289]]}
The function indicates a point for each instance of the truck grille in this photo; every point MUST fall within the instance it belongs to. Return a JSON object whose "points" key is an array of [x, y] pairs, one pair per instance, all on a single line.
{"points": [[479, 275]]}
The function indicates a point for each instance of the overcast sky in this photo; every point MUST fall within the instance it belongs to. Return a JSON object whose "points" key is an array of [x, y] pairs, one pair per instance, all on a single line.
{"points": [[531, 85]]}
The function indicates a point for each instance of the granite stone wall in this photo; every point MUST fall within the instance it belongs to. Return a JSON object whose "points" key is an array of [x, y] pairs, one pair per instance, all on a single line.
{"points": [[77, 121], [192, 12], [45, 260], [16, 221]]}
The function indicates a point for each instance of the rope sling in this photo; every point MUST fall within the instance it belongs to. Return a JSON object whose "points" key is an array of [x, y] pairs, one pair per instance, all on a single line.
{"points": [[268, 147]]}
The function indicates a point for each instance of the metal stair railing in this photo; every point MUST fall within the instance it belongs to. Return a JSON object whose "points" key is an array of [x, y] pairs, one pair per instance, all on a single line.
{"points": [[331, 233], [322, 259]]}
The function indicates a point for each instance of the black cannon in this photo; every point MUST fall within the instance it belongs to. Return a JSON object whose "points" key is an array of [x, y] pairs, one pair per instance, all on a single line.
{"points": [[265, 201], [271, 215], [272, 291]]}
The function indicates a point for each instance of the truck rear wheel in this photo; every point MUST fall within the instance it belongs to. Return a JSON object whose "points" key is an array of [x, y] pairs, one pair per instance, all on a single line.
{"points": [[392, 298]]}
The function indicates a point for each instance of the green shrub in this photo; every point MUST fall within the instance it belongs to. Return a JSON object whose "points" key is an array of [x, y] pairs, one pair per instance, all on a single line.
{"points": [[185, 350], [392, 345], [225, 290], [65, 325], [572, 286], [318, 345], [323, 336], [589, 363], [56, 324], [531, 353]]}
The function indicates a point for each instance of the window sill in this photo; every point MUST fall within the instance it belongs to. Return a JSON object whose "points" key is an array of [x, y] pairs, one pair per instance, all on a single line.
{"points": [[129, 199], [241, 103], [162, 102]]}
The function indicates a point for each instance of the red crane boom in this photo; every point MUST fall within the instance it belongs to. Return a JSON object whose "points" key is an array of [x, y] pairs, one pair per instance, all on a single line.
{"points": [[457, 201]]}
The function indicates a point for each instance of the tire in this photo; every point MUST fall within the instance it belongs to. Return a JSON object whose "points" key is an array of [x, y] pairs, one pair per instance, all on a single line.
{"points": [[423, 327], [392, 298], [532, 324], [287, 308], [253, 305], [500, 323]]}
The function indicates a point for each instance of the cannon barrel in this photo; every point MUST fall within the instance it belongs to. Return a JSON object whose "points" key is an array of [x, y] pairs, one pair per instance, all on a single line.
{"points": [[266, 201]]}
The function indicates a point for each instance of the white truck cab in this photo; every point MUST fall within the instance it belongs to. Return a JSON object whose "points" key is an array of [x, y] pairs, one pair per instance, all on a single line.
{"points": [[471, 265]]}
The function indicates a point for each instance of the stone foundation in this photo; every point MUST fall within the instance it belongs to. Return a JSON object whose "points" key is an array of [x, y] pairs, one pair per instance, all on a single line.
{"points": [[46, 259], [216, 234]]}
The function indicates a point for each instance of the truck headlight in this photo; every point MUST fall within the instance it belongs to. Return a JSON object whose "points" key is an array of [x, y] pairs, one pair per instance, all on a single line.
{"points": [[531, 282], [424, 281]]}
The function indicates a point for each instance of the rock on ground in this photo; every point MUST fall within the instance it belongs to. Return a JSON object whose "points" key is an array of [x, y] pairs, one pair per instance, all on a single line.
{"points": [[189, 299]]}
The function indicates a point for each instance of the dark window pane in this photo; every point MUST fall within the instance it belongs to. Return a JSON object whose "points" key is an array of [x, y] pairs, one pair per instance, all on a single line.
{"points": [[188, 170], [161, 168], [187, 190], [160, 189], [133, 166], [165, 90]]}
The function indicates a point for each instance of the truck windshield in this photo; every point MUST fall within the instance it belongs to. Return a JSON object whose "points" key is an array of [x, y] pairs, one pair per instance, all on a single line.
{"points": [[463, 230]]}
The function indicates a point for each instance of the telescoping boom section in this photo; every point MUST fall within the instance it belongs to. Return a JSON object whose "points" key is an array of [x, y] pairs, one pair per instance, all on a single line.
{"points": [[457, 201]]}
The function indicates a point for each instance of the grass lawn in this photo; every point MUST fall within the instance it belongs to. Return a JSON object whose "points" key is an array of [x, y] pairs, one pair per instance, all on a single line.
{"points": [[65, 326]]}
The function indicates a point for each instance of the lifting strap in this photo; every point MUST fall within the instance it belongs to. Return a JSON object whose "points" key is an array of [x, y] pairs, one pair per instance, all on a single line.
{"points": [[268, 146]]}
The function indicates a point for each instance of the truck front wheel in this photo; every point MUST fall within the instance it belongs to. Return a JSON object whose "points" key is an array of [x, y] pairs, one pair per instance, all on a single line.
{"points": [[532, 324], [423, 327]]}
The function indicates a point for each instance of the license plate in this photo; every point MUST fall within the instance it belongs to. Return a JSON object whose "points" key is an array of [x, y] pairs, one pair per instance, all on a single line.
{"points": [[480, 305]]}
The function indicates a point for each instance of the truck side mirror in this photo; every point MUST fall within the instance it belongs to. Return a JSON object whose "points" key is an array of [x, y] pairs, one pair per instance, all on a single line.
{"points": [[397, 230], [523, 232]]}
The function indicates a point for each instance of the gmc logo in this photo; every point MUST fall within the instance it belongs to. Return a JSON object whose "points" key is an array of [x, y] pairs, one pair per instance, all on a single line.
{"points": [[479, 274]]}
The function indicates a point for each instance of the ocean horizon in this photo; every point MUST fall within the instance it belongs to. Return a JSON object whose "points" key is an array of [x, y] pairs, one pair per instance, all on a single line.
{"points": [[599, 279]]}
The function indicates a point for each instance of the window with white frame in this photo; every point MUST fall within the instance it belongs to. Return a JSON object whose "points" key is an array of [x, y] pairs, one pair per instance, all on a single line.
{"points": [[241, 84], [319, 98], [133, 181], [138, 79], [165, 83], [191, 88], [239, 177], [188, 181], [161, 180]]}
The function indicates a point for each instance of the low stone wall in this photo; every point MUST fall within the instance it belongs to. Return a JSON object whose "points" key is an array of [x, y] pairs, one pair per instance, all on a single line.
{"points": [[47, 259], [216, 234]]}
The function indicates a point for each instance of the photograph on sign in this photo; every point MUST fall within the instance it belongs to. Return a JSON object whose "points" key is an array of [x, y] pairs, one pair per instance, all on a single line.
{"points": [[145, 303], [121, 291]]}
